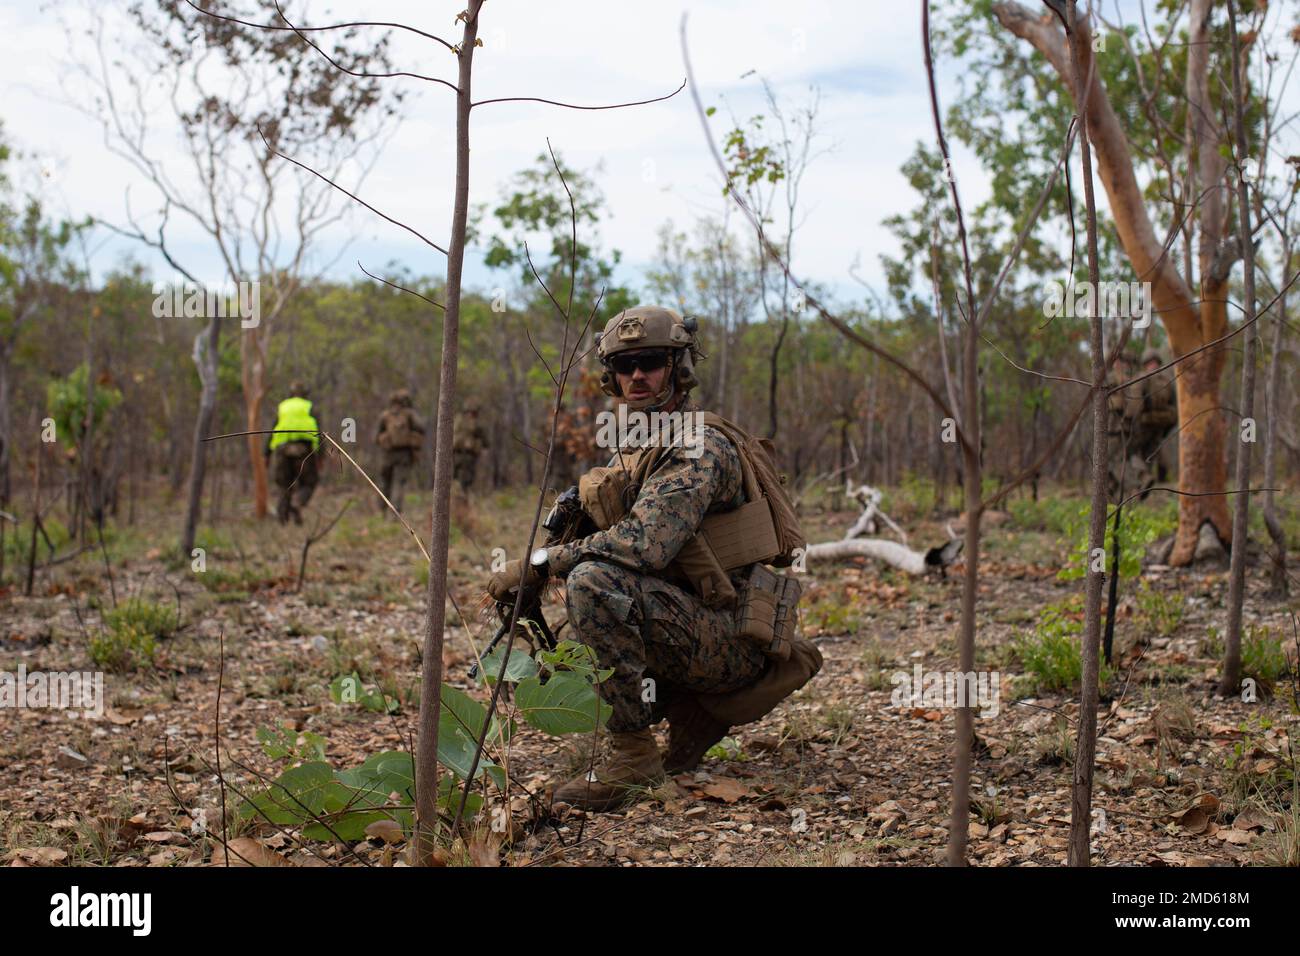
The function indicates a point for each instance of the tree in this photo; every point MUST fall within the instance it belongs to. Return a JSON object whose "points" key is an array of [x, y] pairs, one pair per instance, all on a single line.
{"points": [[1230, 680], [238, 98], [532, 228], [33, 263], [769, 169], [1185, 160], [717, 277]]}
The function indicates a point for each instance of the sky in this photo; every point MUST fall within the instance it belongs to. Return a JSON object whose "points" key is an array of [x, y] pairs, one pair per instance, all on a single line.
{"points": [[865, 57]]}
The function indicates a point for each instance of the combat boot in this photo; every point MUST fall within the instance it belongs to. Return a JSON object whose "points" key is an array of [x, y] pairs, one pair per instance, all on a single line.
{"points": [[633, 763], [691, 732]]}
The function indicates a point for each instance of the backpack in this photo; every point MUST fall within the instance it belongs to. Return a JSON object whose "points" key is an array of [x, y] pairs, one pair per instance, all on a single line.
{"points": [[762, 481], [397, 431]]}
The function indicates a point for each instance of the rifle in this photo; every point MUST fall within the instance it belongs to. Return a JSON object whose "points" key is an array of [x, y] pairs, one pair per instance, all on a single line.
{"points": [[567, 521]]}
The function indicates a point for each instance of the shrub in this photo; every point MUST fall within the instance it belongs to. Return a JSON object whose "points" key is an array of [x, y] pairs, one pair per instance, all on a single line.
{"points": [[1052, 654], [1262, 655], [130, 635]]}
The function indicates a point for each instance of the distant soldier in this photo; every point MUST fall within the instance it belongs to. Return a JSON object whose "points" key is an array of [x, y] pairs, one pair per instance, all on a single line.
{"points": [[294, 445], [1157, 418], [468, 442], [400, 435], [1126, 465]]}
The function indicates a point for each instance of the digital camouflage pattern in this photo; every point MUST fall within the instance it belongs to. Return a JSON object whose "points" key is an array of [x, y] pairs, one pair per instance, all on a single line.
{"points": [[668, 510], [657, 638], [622, 604]]}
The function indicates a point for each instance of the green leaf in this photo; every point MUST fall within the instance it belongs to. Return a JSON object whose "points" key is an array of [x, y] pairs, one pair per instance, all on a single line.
{"points": [[449, 797], [519, 667], [460, 721], [566, 704], [382, 774], [276, 742], [346, 688], [575, 657], [297, 795]]}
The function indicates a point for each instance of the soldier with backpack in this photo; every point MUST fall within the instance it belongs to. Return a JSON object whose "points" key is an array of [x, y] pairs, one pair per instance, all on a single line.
{"points": [[671, 592], [399, 435]]}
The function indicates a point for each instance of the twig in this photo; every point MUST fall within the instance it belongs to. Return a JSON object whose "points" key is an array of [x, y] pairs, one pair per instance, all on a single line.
{"points": [[326, 179], [313, 538], [216, 734], [400, 288], [343, 69], [576, 106]]}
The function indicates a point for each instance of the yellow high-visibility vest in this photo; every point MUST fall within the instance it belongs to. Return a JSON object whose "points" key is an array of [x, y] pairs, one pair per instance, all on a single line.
{"points": [[294, 423]]}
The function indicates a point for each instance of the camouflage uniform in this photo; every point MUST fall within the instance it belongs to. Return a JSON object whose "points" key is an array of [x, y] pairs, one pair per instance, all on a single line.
{"points": [[295, 476], [399, 435], [623, 603], [1154, 418], [1125, 407], [468, 442]]}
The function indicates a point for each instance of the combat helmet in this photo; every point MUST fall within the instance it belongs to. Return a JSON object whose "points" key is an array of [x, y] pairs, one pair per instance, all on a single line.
{"points": [[400, 396], [650, 327]]}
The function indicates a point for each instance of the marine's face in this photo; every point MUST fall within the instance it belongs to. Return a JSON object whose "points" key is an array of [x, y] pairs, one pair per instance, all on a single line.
{"points": [[641, 374]]}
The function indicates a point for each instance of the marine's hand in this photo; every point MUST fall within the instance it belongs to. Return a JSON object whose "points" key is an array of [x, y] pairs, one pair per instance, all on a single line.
{"points": [[505, 583]]}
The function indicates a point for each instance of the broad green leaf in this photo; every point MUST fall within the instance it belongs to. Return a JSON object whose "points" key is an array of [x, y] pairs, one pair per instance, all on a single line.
{"points": [[572, 656], [460, 721], [382, 774], [566, 704], [297, 795], [519, 667]]}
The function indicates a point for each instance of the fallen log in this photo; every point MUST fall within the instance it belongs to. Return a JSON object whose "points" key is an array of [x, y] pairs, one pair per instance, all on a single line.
{"points": [[890, 552], [894, 553]]}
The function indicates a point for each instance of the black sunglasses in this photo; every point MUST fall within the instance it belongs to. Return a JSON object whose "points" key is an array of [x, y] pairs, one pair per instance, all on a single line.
{"points": [[648, 361]]}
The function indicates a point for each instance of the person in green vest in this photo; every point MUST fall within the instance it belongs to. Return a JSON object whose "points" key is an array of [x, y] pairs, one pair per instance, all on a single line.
{"points": [[294, 443]]}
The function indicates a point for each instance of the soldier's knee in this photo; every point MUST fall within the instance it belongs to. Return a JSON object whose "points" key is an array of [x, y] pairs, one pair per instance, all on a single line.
{"points": [[593, 583], [592, 577]]}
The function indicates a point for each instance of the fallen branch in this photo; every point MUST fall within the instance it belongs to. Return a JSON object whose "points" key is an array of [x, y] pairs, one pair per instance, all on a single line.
{"points": [[890, 552], [869, 498]]}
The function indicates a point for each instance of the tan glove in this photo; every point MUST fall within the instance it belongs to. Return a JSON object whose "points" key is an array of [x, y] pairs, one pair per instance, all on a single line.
{"points": [[504, 583]]}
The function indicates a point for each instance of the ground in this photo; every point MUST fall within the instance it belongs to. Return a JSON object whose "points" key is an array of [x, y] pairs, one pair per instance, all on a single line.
{"points": [[838, 774]]}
